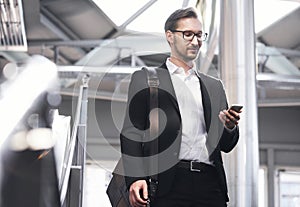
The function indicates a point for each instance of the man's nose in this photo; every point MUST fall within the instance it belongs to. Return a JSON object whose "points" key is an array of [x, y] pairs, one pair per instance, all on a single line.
{"points": [[195, 41]]}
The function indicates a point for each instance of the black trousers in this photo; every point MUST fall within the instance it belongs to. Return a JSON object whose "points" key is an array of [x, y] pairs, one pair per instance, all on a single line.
{"points": [[193, 189]]}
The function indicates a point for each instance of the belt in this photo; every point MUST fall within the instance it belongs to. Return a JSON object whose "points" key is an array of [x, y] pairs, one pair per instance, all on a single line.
{"points": [[195, 166]]}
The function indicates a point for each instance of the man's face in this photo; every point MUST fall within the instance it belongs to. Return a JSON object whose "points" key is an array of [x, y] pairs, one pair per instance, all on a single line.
{"points": [[187, 50]]}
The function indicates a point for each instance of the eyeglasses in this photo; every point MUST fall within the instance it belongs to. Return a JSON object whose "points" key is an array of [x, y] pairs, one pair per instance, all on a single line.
{"points": [[189, 35]]}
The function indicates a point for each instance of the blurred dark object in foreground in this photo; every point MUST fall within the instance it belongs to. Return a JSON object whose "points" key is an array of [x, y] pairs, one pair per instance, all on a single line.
{"points": [[29, 179], [28, 166]]}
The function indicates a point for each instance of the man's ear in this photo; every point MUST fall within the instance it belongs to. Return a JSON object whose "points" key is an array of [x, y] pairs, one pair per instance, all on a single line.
{"points": [[169, 36]]}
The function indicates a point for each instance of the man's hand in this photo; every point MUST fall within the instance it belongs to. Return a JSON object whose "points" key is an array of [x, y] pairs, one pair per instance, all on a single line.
{"points": [[138, 193], [229, 118]]}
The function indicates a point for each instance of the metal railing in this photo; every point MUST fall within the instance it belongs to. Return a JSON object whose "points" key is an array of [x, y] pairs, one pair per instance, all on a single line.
{"points": [[72, 181]]}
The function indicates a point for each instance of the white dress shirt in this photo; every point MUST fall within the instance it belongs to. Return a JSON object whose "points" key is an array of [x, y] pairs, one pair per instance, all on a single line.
{"points": [[188, 94]]}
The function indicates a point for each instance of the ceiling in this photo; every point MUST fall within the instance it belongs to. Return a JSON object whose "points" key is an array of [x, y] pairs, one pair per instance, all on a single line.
{"points": [[77, 32], [284, 35], [58, 28], [66, 30]]}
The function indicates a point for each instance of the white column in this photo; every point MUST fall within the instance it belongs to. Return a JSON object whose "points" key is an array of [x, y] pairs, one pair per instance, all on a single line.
{"points": [[238, 70]]}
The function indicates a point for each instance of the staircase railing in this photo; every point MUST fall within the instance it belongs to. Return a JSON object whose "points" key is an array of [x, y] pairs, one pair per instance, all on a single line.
{"points": [[72, 181]]}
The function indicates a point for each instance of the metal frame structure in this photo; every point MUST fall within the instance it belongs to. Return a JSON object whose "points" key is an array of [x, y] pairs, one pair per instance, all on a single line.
{"points": [[12, 29]]}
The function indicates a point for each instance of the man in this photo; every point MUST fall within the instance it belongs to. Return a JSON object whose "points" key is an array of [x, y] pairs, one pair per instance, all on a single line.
{"points": [[194, 126]]}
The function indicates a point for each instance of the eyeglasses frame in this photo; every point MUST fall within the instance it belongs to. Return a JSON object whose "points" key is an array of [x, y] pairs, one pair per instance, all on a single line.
{"points": [[204, 35]]}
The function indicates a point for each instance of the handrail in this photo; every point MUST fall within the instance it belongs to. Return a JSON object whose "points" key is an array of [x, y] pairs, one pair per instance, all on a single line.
{"points": [[68, 159]]}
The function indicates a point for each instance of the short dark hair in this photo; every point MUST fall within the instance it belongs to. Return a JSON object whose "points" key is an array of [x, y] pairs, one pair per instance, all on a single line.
{"points": [[171, 23]]}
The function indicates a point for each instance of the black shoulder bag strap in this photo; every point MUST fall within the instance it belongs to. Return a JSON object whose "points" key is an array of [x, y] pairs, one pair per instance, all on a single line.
{"points": [[153, 83]]}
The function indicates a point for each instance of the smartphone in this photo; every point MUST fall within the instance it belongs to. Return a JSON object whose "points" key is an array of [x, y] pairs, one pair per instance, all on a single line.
{"points": [[236, 107]]}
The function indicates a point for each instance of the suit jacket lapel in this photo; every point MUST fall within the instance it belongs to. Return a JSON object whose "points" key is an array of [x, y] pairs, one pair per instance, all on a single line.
{"points": [[166, 84], [206, 103]]}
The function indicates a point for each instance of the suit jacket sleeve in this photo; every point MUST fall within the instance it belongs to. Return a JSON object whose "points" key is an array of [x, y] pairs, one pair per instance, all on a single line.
{"points": [[133, 131], [228, 138]]}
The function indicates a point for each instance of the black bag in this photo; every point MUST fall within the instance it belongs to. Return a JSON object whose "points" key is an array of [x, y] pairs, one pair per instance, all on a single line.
{"points": [[117, 190]]}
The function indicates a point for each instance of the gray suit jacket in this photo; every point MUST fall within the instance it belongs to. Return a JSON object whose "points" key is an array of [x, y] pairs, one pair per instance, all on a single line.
{"points": [[135, 144]]}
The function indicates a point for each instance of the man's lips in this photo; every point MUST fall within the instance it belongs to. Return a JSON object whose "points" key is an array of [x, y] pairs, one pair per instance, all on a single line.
{"points": [[193, 49]]}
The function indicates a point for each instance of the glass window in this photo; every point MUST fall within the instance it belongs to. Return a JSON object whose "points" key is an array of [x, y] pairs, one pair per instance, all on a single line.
{"points": [[289, 188], [151, 20]]}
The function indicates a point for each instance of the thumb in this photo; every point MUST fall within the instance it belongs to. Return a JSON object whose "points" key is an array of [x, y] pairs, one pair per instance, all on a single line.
{"points": [[221, 117], [145, 191]]}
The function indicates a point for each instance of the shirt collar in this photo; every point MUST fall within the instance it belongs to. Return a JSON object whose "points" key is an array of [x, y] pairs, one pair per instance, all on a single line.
{"points": [[173, 68]]}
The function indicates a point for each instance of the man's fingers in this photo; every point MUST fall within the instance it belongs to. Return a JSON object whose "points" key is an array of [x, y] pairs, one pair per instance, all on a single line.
{"points": [[137, 190], [232, 115], [145, 194], [235, 114], [136, 199]]}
